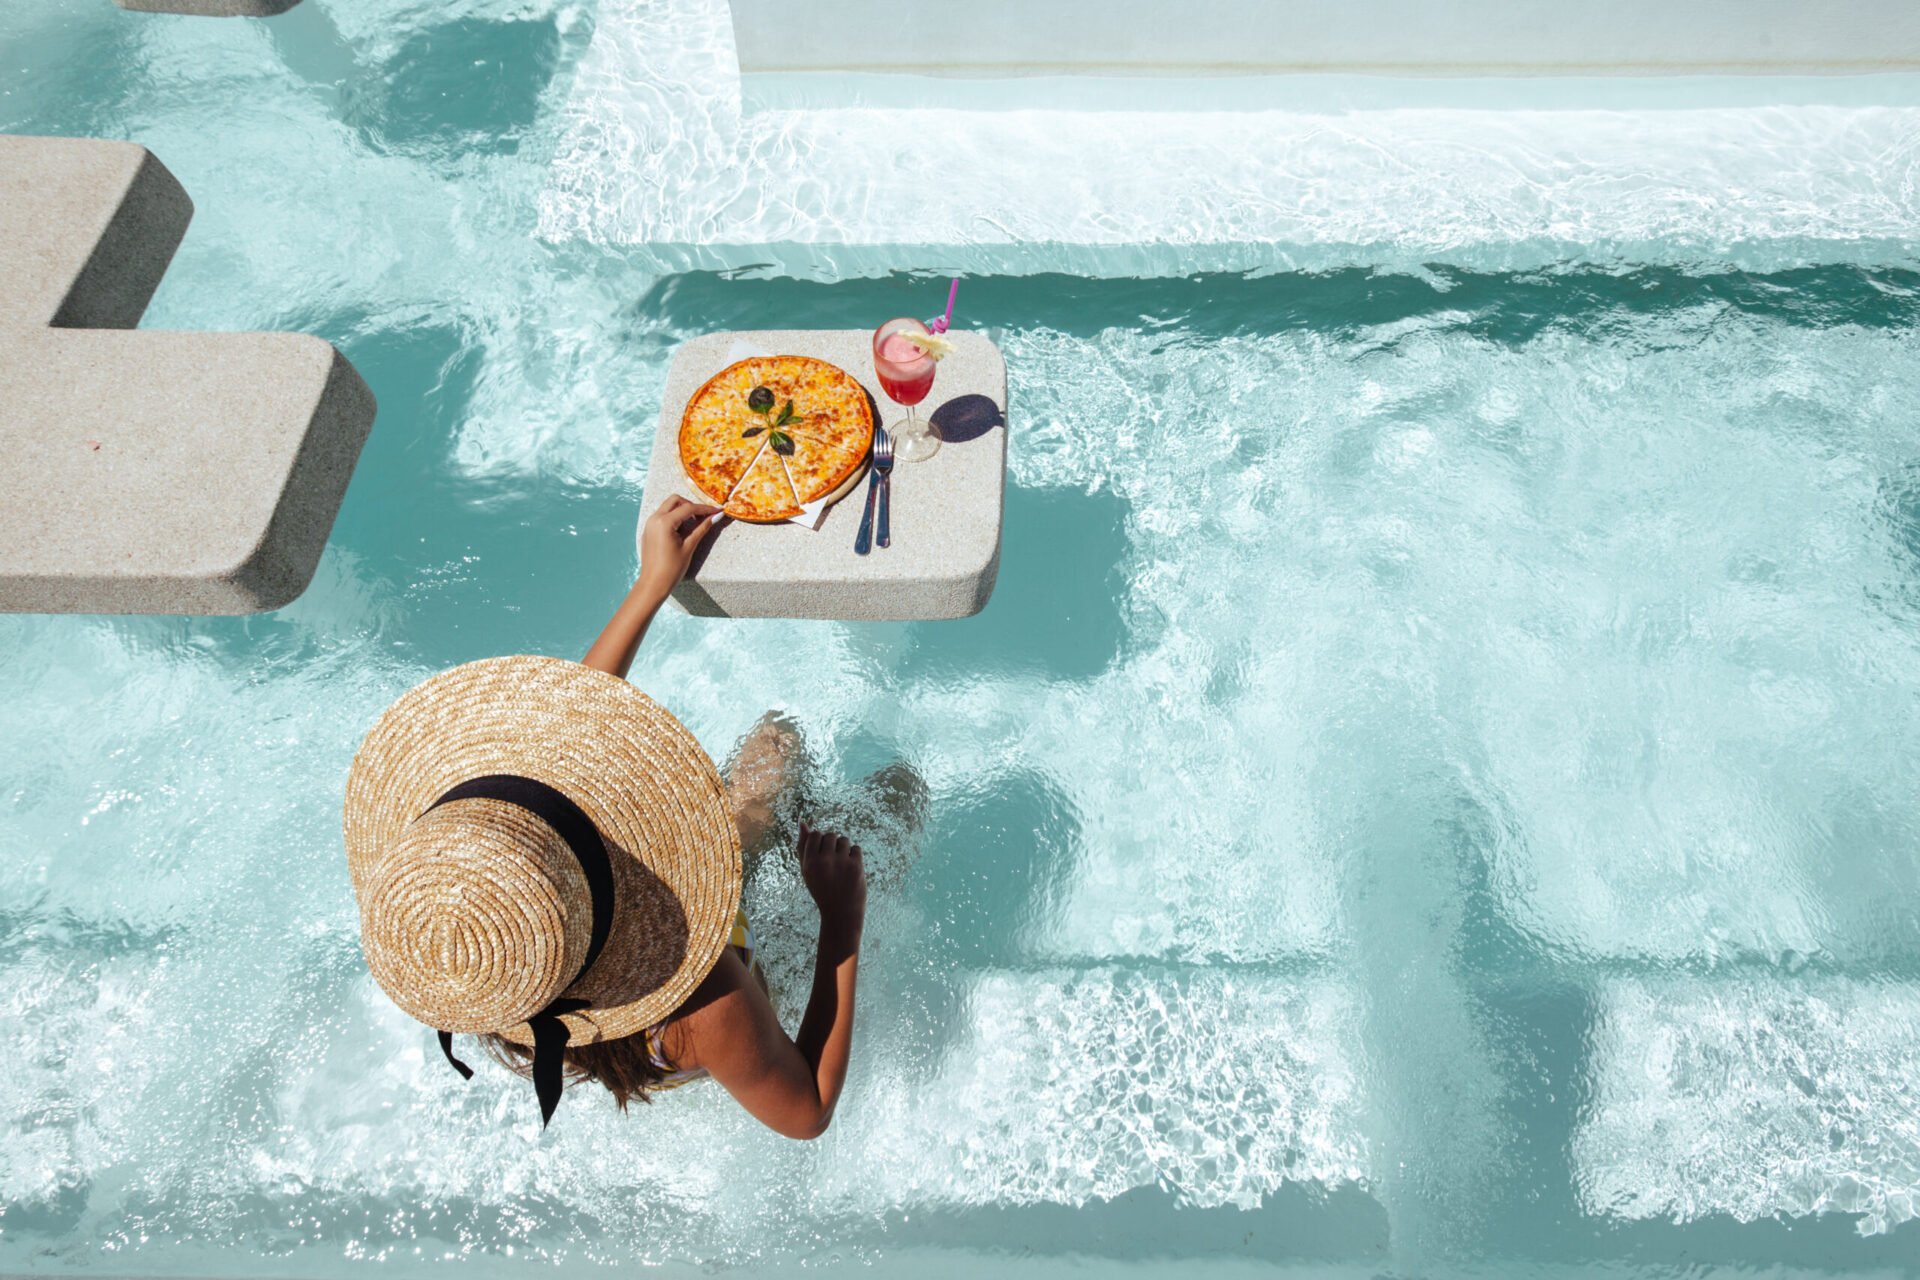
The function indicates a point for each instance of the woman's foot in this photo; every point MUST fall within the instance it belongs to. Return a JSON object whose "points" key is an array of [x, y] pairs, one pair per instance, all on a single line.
{"points": [[901, 795], [890, 810], [766, 763]]}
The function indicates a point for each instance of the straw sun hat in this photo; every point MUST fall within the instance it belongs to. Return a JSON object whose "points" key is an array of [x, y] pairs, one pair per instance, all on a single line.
{"points": [[540, 851]]}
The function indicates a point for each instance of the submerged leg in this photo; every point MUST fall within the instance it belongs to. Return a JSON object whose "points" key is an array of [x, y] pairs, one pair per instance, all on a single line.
{"points": [[768, 760]]}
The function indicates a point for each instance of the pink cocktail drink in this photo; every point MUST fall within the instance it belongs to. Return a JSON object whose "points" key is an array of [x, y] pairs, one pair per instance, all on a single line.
{"points": [[906, 375], [905, 371]]}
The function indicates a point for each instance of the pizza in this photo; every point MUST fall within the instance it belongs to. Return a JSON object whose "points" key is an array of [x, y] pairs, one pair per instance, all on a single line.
{"points": [[767, 435]]}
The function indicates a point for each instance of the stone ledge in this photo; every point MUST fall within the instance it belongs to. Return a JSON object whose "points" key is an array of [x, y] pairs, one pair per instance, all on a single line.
{"points": [[211, 8], [947, 511], [148, 472]]}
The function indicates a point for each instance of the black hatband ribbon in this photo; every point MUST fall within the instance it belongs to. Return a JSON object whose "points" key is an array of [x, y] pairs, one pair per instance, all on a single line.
{"points": [[446, 1047], [573, 826]]}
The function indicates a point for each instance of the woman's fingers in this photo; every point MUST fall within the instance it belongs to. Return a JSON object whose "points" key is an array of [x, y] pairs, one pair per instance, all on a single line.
{"points": [[697, 527]]}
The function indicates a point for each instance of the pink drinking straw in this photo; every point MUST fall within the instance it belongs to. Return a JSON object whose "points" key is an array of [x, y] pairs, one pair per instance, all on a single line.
{"points": [[940, 325]]}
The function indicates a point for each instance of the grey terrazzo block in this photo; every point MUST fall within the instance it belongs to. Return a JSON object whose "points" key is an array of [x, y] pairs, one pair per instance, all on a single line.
{"points": [[947, 511], [148, 472], [89, 230], [211, 8]]}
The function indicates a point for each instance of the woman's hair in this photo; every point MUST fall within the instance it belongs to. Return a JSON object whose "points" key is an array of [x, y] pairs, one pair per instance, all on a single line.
{"points": [[624, 1065]]}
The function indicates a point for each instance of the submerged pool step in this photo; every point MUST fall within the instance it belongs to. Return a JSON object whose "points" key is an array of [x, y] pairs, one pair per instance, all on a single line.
{"points": [[1745, 1095], [1753, 1099], [1060, 1086]]}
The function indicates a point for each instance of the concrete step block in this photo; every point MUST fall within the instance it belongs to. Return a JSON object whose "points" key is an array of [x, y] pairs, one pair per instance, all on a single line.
{"points": [[211, 8], [148, 472]]}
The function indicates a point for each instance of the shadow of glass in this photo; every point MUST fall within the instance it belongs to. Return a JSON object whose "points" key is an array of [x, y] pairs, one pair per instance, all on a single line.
{"points": [[966, 418]]}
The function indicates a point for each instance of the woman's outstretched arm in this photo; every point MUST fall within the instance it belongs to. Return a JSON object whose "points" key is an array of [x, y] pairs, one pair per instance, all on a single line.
{"points": [[673, 534], [791, 1086]]}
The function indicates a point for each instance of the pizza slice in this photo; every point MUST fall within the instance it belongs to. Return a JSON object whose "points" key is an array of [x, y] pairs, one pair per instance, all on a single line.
{"points": [[765, 493], [820, 465], [714, 454]]}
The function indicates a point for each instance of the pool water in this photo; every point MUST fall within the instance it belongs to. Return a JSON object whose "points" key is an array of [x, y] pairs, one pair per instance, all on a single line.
{"points": [[1436, 789]]}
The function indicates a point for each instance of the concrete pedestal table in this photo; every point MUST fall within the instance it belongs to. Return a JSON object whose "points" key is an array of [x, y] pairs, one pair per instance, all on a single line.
{"points": [[946, 510]]}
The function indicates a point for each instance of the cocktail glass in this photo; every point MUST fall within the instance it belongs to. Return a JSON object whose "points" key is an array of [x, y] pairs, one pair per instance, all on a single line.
{"points": [[906, 375]]}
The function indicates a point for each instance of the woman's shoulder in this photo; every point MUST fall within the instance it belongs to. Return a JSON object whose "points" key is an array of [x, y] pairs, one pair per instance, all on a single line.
{"points": [[720, 1008]]}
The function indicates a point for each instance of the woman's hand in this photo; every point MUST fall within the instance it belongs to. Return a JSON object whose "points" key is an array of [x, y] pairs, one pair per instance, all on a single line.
{"points": [[836, 875], [673, 534]]}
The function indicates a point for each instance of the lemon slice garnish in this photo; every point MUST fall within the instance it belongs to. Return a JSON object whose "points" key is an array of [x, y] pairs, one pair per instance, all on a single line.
{"points": [[931, 344]]}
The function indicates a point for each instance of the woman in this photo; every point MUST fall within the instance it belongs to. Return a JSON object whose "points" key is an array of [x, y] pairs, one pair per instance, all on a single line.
{"points": [[543, 856]]}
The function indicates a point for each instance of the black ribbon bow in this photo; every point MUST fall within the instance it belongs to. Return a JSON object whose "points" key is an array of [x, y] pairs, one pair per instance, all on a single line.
{"points": [[571, 823]]}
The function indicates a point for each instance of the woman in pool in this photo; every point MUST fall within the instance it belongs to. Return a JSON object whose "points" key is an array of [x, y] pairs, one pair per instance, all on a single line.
{"points": [[544, 857]]}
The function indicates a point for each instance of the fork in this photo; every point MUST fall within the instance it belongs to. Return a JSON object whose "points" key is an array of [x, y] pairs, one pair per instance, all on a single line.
{"points": [[883, 463], [876, 482]]}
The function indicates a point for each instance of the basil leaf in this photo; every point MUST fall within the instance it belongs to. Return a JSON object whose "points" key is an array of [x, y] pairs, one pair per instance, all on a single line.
{"points": [[782, 444], [751, 432]]}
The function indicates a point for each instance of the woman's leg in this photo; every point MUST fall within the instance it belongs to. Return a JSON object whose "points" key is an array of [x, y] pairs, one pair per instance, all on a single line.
{"points": [[768, 761]]}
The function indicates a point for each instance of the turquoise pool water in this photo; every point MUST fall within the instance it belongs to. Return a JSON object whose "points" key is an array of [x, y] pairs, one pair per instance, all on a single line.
{"points": [[1434, 791]]}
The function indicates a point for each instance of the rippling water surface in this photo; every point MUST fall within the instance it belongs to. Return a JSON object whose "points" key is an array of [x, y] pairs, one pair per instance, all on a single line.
{"points": [[1437, 786]]}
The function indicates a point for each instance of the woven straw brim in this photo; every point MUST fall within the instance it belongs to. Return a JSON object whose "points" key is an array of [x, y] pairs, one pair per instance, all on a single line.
{"points": [[628, 763]]}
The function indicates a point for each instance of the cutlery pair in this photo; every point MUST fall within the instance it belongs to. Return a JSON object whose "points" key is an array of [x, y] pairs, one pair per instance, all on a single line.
{"points": [[879, 490]]}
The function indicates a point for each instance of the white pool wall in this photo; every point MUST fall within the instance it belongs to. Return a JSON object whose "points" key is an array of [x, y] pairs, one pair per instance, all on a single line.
{"points": [[1270, 37], [669, 151]]}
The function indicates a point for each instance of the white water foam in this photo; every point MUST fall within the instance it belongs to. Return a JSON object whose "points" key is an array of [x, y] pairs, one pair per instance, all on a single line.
{"points": [[1754, 1099], [658, 153]]}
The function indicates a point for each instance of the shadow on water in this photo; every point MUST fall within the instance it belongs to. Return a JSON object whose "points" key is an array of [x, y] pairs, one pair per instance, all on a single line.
{"points": [[995, 861], [530, 563], [1828, 1244], [471, 85], [998, 855], [1536, 1013], [1056, 609], [1497, 306]]}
